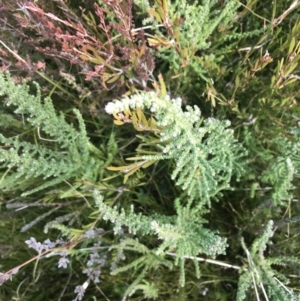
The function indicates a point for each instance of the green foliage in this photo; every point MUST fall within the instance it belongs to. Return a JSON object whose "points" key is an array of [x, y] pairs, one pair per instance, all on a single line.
{"points": [[195, 183], [285, 168], [183, 232], [206, 156], [189, 26], [259, 272], [199, 21], [8, 121], [147, 262], [66, 153]]}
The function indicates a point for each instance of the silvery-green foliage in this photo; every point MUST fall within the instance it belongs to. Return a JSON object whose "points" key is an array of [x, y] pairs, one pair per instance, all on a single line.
{"points": [[200, 20], [8, 121], [206, 155], [145, 263], [284, 168], [150, 291], [259, 278], [63, 152], [206, 152], [143, 4], [183, 232]]}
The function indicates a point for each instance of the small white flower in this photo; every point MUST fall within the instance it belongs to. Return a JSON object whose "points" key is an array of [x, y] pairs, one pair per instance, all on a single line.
{"points": [[110, 108]]}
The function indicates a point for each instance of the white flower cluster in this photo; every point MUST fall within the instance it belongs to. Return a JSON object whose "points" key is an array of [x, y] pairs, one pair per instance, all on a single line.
{"points": [[168, 112], [148, 100], [179, 125]]}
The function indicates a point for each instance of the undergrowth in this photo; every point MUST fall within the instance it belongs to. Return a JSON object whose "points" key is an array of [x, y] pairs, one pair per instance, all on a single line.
{"points": [[149, 150]]}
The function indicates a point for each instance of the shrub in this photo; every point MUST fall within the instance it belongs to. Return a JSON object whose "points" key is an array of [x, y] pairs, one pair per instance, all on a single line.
{"points": [[198, 197]]}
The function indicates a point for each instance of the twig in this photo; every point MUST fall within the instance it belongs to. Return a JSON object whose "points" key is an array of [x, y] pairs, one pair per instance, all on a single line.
{"points": [[284, 14], [224, 264], [14, 54], [289, 291]]}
